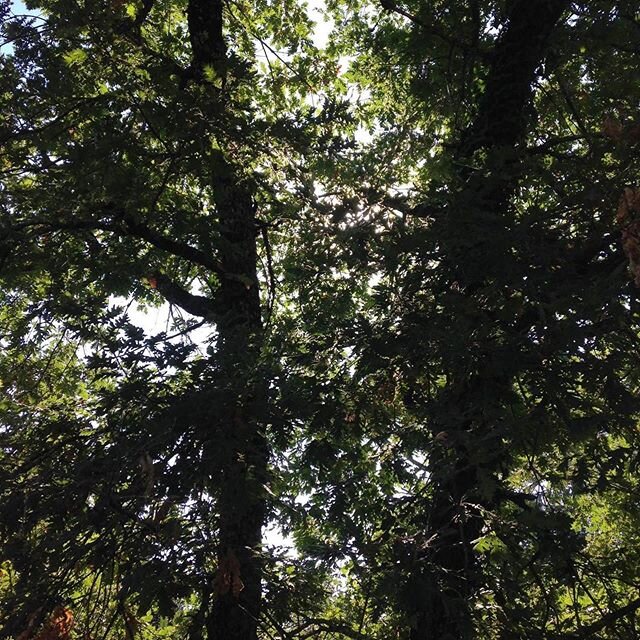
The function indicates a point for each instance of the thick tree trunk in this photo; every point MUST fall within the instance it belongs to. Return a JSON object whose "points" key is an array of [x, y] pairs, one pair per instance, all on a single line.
{"points": [[241, 445], [242, 448], [446, 575]]}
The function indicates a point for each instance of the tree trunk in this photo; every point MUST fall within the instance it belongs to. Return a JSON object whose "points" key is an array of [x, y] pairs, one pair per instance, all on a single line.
{"points": [[242, 447], [446, 574]]}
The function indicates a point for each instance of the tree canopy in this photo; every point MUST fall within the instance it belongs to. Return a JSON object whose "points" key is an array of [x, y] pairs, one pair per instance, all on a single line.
{"points": [[394, 248]]}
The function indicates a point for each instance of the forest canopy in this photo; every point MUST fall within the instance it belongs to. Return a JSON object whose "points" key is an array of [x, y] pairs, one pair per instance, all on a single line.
{"points": [[319, 321]]}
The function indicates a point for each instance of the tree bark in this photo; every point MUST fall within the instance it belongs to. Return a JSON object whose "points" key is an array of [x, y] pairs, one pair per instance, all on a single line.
{"points": [[446, 575], [242, 449]]}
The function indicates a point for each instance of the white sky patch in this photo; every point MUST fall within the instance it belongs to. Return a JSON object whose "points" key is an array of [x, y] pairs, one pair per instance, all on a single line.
{"points": [[17, 8], [152, 320], [316, 10], [273, 536], [155, 320]]}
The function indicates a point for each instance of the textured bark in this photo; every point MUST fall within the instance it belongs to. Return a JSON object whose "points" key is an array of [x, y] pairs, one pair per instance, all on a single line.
{"points": [[241, 505], [446, 575], [502, 116], [208, 47], [240, 447]]}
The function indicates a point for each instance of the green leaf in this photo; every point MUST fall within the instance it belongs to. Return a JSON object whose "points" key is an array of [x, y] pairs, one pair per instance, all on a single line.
{"points": [[75, 57]]}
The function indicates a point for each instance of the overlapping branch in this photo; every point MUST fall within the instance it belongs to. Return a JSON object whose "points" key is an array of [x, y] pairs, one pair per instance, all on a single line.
{"points": [[125, 225]]}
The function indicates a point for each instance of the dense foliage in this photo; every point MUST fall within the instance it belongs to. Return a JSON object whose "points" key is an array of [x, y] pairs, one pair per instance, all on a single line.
{"points": [[393, 254]]}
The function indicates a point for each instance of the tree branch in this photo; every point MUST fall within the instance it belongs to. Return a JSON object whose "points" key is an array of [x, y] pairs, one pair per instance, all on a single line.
{"points": [[126, 225], [178, 249], [143, 13], [391, 6], [324, 625], [501, 118], [195, 305], [604, 622]]}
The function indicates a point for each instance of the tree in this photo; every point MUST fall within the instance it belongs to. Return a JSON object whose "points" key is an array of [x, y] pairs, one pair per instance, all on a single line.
{"points": [[139, 149], [421, 351], [497, 349]]}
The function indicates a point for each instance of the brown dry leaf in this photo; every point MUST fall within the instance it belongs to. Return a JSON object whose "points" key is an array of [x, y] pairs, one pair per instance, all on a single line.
{"points": [[612, 128], [228, 576], [622, 213], [59, 625], [632, 196], [443, 437], [631, 247], [148, 470], [629, 203]]}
